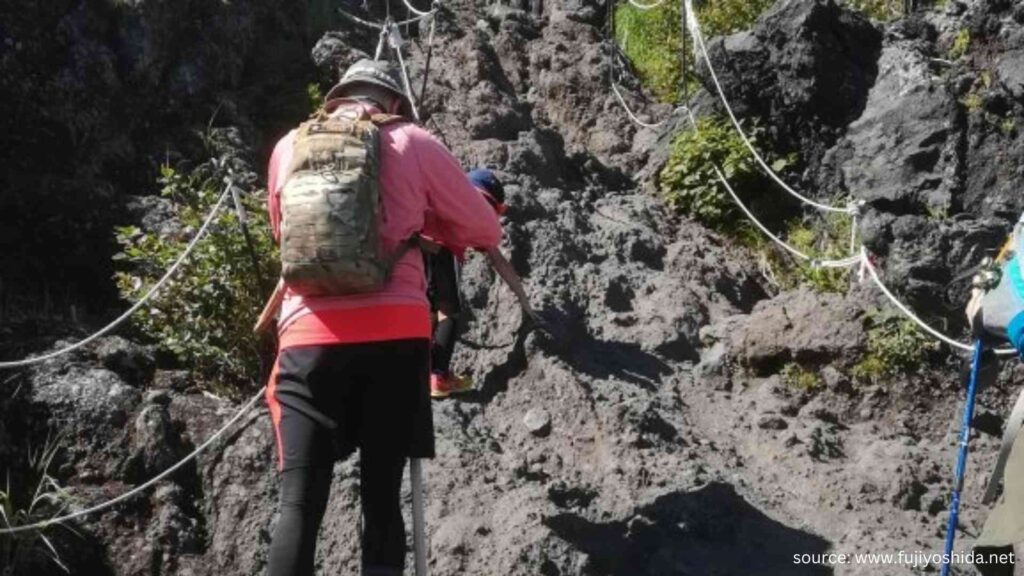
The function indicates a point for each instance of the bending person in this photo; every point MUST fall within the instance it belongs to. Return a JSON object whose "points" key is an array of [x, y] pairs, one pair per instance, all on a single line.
{"points": [[445, 265]]}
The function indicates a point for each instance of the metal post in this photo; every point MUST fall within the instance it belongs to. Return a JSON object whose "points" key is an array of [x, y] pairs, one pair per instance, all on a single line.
{"points": [[419, 536], [961, 460]]}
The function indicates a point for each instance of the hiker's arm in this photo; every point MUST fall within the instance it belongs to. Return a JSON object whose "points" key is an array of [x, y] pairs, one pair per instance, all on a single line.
{"points": [[504, 269], [461, 215], [999, 312]]}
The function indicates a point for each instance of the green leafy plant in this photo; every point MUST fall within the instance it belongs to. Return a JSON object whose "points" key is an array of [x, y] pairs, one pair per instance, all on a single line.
{"points": [[688, 181], [653, 42], [961, 44], [895, 346], [40, 499], [205, 315], [796, 376]]}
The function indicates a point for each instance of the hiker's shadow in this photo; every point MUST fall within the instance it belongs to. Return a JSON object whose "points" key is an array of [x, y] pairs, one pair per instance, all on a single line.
{"points": [[712, 531], [600, 359]]}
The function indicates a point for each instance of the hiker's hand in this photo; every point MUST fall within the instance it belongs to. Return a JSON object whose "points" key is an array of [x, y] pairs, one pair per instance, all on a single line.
{"points": [[995, 310]]}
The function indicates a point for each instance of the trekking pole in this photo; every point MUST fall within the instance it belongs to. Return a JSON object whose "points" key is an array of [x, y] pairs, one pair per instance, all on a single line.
{"points": [[961, 459], [243, 223], [419, 536]]}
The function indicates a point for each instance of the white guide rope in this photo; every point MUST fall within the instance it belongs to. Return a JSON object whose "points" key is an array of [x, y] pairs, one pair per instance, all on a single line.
{"points": [[141, 487]]}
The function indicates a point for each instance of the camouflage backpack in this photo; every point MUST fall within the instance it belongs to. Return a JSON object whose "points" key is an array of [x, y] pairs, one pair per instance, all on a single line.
{"points": [[330, 209]]}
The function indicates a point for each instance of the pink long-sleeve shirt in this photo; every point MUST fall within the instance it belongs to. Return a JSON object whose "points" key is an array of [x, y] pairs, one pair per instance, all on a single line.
{"points": [[423, 190]]}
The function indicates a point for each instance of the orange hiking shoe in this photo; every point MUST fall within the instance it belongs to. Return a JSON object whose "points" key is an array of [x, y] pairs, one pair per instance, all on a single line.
{"points": [[444, 385]]}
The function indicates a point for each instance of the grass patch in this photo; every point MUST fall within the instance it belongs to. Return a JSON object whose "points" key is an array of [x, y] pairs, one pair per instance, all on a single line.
{"points": [[800, 378], [896, 346], [652, 39], [823, 238], [36, 498]]}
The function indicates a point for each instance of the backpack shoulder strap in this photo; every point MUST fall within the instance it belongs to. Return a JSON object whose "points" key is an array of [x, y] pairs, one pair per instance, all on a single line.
{"points": [[387, 119]]}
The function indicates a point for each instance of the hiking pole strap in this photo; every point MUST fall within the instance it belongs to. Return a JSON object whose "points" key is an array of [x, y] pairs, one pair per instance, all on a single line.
{"points": [[1013, 426]]}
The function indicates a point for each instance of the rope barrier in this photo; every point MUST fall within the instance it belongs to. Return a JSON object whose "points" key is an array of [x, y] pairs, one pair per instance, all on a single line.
{"points": [[135, 307], [861, 258], [411, 8], [633, 117], [866, 259], [358, 20], [395, 39], [381, 25], [699, 43], [650, 6], [141, 487]]}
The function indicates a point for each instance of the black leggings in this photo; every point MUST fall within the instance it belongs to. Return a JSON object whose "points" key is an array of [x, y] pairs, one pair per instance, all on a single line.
{"points": [[443, 290], [304, 493]]}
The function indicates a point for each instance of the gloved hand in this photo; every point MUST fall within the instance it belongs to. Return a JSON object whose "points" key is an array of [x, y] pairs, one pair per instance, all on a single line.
{"points": [[999, 311]]}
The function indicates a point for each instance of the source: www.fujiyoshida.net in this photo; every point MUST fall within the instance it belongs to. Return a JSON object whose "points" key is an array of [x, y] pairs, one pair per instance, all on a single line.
{"points": [[911, 559]]}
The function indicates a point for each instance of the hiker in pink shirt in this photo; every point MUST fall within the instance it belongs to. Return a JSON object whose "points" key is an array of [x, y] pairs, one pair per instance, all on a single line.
{"points": [[353, 371]]}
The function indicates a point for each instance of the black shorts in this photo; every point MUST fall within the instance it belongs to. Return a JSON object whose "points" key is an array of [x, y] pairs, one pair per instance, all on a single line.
{"points": [[443, 282], [326, 401]]}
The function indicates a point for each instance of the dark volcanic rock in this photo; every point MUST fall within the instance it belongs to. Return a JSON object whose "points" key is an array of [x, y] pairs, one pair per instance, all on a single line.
{"points": [[806, 65], [903, 148]]}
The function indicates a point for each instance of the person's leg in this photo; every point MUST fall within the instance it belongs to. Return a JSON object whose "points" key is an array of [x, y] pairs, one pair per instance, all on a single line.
{"points": [[396, 424], [303, 499], [380, 487], [305, 460], [446, 300]]}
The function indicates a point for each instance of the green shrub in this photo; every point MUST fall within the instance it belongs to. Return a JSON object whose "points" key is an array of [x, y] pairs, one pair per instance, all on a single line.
{"points": [[895, 346], [796, 376], [653, 42], [37, 497], [688, 181], [205, 315]]}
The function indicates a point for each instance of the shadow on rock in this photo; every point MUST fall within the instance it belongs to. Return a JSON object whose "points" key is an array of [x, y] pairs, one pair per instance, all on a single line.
{"points": [[624, 361], [712, 532]]}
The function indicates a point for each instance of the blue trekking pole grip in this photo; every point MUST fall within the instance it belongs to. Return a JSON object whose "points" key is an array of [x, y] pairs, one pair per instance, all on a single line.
{"points": [[961, 459]]}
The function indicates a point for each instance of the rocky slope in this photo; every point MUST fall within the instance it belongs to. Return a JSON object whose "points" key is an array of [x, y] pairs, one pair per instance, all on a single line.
{"points": [[652, 433]]}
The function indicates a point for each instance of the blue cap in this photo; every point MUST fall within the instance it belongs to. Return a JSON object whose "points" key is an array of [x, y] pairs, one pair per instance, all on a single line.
{"points": [[486, 180]]}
